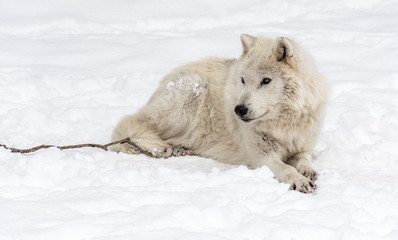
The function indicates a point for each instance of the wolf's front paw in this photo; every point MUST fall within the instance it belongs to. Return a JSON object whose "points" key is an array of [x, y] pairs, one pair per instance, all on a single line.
{"points": [[303, 185], [161, 150], [153, 147], [309, 173], [182, 151]]}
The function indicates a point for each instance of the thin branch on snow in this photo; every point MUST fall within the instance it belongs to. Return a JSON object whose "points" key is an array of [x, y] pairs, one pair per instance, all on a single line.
{"points": [[84, 145]]}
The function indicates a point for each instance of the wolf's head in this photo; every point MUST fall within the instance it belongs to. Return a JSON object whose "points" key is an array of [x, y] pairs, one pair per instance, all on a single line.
{"points": [[269, 78]]}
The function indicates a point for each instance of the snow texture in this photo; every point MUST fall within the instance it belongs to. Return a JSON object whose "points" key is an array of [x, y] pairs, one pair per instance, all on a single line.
{"points": [[71, 69]]}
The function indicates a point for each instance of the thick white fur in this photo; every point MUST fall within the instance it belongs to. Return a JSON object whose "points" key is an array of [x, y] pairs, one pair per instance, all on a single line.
{"points": [[192, 111]]}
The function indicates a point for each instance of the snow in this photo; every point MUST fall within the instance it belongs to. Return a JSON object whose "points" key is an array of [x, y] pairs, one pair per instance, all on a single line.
{"points": [[70, 70], [186, 83]]}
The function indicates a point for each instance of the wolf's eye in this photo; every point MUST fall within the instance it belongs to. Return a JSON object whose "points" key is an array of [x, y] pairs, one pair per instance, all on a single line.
{"points": [[243, 80], [265, 81]]}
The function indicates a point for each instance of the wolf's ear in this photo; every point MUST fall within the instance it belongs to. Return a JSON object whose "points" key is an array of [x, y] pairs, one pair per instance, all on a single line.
{"points": [[284, 51], [247, 42]]}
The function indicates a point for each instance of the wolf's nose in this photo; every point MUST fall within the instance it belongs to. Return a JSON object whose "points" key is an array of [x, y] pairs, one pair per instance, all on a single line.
{"points": [[241, 110]]}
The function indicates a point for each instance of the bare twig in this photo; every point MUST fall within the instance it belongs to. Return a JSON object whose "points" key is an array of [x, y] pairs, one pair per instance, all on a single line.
{"points": [[93, 145]]}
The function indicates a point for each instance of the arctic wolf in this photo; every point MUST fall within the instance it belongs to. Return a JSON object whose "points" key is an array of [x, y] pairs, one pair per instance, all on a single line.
{"points": [[264, 108]]}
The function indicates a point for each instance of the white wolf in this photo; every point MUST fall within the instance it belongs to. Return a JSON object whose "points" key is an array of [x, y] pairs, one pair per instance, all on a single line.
{"points": [[265, 108]]}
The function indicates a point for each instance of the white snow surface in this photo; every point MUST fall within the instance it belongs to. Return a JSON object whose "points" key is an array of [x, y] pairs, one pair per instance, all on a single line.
{"points": [[71, 69]]}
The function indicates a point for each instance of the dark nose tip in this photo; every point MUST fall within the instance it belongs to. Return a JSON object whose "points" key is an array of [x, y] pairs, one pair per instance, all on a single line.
{"points": [[241, 110]]}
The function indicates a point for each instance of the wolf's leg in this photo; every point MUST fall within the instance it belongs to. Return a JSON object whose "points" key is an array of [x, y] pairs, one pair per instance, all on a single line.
{"points": [[302, 162], [142, 135], [272, 154]]}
